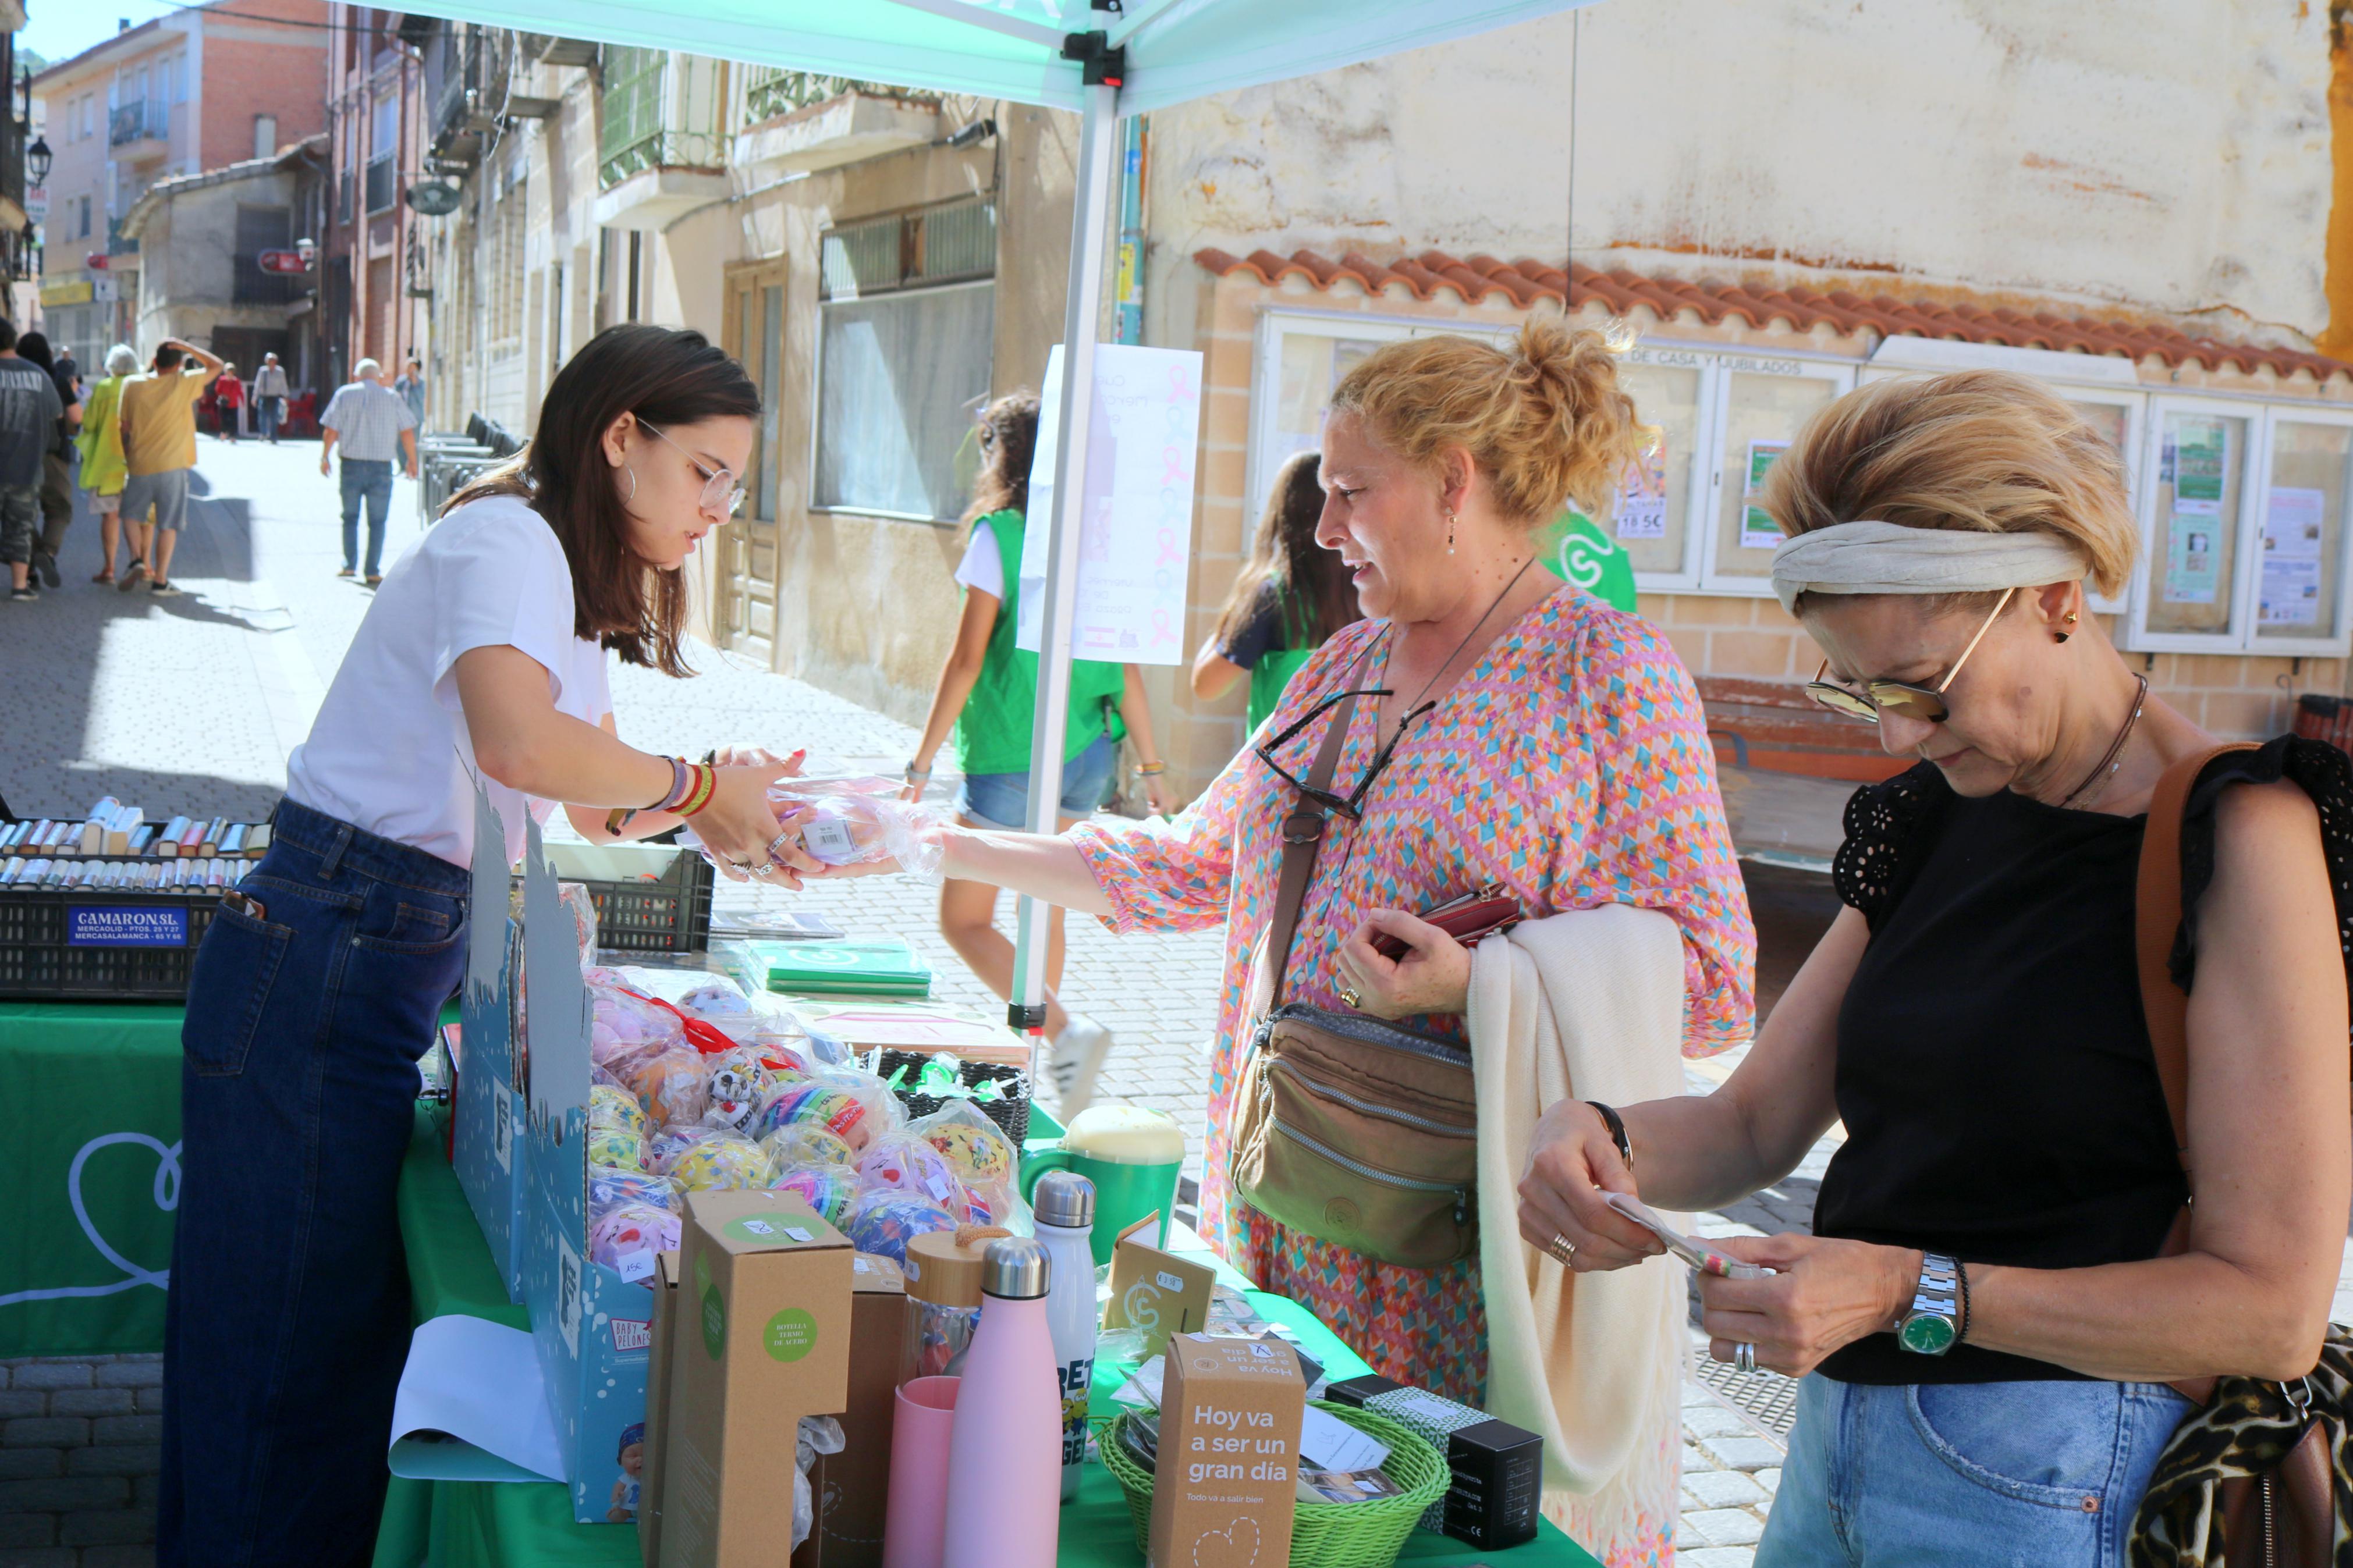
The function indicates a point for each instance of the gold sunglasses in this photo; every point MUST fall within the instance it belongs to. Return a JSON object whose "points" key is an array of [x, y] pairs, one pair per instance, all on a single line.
{"points": [[1925, 703]]}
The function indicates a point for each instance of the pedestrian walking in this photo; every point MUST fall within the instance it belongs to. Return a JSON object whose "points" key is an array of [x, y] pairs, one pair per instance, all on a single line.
{"points": [[483, 663], [270, 397], [374, 425], [986, 695], [159, 448], [29, 411], [57, 463], [103, 468], [2006, 1273], [1291, 597], [67, 367], [228, 404], [411, 387]]}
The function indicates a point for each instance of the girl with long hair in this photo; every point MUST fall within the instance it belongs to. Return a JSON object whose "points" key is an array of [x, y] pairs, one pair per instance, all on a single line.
{"points": [[985, 701], [480, 664], [1291, 595]]}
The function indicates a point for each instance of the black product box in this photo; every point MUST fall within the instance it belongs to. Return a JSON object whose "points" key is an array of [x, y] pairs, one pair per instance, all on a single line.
{"points": [[1498, 1468]]}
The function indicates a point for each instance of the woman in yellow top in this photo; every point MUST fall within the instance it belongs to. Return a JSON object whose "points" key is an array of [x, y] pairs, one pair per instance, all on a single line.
{"points": [[103, 468]]}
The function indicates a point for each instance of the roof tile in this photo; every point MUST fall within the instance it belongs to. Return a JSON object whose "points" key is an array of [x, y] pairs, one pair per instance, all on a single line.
{"points": [[1478, 277]]}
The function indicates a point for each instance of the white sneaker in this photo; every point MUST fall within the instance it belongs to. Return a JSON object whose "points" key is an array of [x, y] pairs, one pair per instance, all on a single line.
{"points": [[1073, 1063]]}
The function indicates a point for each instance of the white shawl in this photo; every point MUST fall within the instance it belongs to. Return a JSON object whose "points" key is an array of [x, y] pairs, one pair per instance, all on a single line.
{"points": [[1588, 1004]]}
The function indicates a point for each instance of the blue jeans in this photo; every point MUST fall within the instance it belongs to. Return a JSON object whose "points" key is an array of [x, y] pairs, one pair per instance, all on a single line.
{"points": [[266, 414], [1002, 800], [1972, 1475], [287, 1324], [364, 479]]}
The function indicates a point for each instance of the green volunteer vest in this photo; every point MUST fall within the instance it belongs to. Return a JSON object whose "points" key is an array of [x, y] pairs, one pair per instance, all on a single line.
{"points": [[1578, 551], [992, 735]]}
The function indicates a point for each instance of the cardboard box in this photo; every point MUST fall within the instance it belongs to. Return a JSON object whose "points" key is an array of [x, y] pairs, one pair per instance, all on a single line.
{"points": [[1155, 1290], [657, 1375], [1226, 1481], [487, 1143], [853, 1487], [1498, 1486], [765, 1299]]}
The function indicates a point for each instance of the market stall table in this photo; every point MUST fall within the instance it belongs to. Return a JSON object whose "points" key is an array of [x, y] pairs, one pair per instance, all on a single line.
{"points": [[455, 1524], [96, 1162]]}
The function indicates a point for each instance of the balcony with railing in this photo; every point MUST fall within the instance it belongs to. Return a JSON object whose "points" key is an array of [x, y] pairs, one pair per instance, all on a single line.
{"points": [[660, 150], [139, 130], [795, 121]]}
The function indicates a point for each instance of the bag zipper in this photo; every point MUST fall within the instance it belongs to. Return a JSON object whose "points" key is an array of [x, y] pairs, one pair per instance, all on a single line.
{"points": [[1386, 1178], [1324, 1091], [1371, 1031]]}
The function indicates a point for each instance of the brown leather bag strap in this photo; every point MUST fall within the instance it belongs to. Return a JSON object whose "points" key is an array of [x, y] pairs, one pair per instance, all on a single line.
{"points": [[1302, 832], [2157, 916]]}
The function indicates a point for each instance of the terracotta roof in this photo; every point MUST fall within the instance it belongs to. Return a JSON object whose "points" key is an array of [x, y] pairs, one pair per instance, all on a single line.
{"points": [[1478, 277]]}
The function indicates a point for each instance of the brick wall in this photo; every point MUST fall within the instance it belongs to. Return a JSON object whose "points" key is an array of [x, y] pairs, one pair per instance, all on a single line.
{"points": [[80, 1446], [252, 68]]}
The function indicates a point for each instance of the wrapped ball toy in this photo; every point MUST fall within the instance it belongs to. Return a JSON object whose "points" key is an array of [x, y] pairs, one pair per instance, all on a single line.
{"points": [[723, 1163], [616, 1110], [611, 1187], [827, 1189], [819, 1102], [753, 1073], [575, 897], [882, 1220], [793, 1147], [616, 1147], [672, 1086], [904, 1161], [983, 1156], [623, 1026], [664, 1148], [626, 1237]]}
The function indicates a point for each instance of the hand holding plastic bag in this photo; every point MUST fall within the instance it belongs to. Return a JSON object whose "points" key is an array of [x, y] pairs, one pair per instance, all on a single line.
{"points": [[861, 821]]}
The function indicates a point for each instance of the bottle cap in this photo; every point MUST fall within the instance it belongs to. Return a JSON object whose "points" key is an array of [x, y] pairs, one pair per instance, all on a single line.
{"points": [[1064, 1198], [941, 1272], [1015, 1268]]}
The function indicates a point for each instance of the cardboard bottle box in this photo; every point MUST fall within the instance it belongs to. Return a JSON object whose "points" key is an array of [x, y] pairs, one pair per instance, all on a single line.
{"points": [[853, 1487], [763, 1338], [657, 1374], [1227, 1477]]}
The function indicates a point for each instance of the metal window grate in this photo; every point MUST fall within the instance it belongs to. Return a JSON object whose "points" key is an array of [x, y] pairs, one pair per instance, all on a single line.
{"points": [[861, 258], [957, 242], [943, 244]]}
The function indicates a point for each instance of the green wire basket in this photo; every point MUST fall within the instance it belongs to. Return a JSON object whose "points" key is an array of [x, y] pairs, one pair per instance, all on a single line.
{"points": [[1322, 1534]]}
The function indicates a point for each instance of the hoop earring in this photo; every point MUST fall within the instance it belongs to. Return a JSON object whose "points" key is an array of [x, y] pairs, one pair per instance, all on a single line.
{"points": [[1450, 534], [633, 484]]}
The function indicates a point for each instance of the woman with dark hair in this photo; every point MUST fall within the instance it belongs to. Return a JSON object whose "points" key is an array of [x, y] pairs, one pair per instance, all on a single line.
{"points": [[57, 464], [985, 699], [1293, 595], [480, 664]]}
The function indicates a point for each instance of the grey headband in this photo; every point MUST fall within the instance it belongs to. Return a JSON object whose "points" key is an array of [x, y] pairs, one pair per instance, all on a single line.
{"points": [[1871, 557]]}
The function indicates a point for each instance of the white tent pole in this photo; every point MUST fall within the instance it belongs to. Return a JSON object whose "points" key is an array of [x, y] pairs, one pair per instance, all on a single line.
{"points": [[1090, 215]]}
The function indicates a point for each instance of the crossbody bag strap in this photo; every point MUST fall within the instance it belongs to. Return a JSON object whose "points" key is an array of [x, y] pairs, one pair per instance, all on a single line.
{"points": [[2157, 916], [1303, 832]]}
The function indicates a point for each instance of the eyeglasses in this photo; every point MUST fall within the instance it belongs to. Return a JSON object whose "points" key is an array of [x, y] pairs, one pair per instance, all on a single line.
{"points": [[721, 493], [1350, 805], [1925, 703]]}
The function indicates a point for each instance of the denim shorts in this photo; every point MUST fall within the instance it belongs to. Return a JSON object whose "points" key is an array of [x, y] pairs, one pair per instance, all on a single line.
{"points": [[1002, 800], [1967, 1475]]}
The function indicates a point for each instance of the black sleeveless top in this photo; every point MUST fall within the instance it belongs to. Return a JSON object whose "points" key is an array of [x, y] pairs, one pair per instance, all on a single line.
{"points": [[1994, 1072]]}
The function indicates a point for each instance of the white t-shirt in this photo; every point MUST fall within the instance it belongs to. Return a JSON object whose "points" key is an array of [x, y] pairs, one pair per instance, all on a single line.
{"points": [[981, 567], [389, 751]]}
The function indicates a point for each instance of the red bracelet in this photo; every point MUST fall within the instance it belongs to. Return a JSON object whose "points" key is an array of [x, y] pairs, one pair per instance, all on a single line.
{"points": [[706, 784]]}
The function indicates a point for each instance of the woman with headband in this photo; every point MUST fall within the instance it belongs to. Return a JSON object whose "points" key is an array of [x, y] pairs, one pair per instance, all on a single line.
{"points": [[1990, 1310]]}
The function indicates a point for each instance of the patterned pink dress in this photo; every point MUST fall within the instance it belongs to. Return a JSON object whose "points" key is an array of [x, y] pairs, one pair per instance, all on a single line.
{"points": [[1572, 766]]}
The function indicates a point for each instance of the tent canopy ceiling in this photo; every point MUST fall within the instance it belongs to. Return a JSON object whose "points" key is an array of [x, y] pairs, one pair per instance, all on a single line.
{"points": [[1176, 49]]}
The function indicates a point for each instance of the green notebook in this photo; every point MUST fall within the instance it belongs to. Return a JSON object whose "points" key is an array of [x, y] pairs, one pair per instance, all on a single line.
{"points": [[886, 968]]}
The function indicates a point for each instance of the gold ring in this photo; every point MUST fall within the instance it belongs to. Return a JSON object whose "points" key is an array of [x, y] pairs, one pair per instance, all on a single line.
{"points": [[1563, 1250], [1348, 995]]}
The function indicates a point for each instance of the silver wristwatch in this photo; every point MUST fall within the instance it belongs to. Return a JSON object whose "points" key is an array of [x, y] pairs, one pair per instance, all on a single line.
{"points": [[1932, 1326]]}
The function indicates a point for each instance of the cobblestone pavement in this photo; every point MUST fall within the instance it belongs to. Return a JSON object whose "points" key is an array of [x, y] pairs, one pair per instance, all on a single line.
{"points": [[191, 704]]}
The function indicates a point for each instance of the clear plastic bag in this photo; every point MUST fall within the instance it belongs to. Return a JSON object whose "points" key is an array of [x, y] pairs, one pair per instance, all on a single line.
{"points": [[857, 821], [724, 1161], [905, 1162], [857, 1106], [626, 1237], [673, 1087], [801, 1144], [610, 1187], [625, 1029], [827, 1189], [575, 896], [882, 1220], [818, 1435]]}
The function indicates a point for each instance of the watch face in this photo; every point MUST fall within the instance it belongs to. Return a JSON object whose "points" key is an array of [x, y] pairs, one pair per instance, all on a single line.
{"points": [[1926, 1335]]}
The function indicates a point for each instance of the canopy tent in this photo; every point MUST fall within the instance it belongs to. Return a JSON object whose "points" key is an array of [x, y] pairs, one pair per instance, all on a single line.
{"points": [[1103, 58]]}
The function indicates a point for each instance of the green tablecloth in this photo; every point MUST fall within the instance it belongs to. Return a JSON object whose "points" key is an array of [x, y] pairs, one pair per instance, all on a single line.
{"points": [[516, 1525], [95, 1142]]}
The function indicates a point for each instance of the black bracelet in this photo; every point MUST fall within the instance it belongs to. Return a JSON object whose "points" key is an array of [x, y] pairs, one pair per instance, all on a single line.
{"points": [[1617, 1125], [1961, 1272]]}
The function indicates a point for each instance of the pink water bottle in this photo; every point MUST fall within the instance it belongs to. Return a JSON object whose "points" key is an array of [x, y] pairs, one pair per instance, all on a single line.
{"points": [[1005, 1456]]}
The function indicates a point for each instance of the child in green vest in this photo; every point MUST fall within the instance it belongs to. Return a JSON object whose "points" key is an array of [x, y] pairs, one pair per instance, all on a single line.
{"points": [[1291, 595], [987, 693]]}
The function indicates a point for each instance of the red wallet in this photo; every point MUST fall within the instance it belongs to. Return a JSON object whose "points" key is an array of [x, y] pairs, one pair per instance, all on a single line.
{"points": [[1466, 919]]}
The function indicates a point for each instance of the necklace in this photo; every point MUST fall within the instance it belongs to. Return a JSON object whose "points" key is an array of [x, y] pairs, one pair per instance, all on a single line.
{"points": [[2105, 768], [1414, 707]]}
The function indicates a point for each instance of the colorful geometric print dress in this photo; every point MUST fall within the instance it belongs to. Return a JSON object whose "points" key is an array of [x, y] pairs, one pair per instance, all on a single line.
{"points": [[1571, 764]]}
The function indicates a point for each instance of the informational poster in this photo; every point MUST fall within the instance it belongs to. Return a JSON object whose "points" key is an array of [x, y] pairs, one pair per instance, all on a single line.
{"points": [[1642, 499], [2200, 452], [2191, 561], [2291, 576], [1757, 528], [1136, 520]]}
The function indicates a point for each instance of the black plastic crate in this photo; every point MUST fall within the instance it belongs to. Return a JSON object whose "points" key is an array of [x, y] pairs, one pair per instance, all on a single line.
{"points": [[96, 945], [669, 914]]}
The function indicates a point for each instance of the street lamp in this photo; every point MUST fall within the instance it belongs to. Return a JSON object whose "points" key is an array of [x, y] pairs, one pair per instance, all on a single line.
{"points": [[38, 159]]}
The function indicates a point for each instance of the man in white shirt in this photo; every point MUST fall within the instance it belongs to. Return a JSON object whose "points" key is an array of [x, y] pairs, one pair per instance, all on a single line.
{"points": [[269, 396], [374, 425]]}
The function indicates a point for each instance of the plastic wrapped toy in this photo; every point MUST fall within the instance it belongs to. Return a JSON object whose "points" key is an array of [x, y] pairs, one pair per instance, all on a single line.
{"points": [[827, 1189], [625, 1028], [904, 1161], [626, 1237], [575, 897], [672, 1086], [616, 1147], [723, 1163], [753, 1073], [882, 1220], [664, 1148], [982, 1155], [855, 821], [855, 1106], [791, 1148], [616, 1110], [611, 1187]]}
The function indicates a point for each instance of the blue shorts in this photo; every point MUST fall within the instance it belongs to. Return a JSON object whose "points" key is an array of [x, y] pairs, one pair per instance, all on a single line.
{"points": [[1002, 800]]}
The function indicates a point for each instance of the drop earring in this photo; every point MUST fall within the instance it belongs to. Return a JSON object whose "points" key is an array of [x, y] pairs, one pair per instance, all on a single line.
{"points": [[1450, 534]]}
